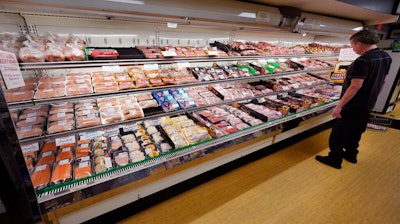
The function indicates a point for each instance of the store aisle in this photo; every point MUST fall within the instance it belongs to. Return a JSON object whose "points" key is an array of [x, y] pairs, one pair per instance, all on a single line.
{"points": [[289, 186]]}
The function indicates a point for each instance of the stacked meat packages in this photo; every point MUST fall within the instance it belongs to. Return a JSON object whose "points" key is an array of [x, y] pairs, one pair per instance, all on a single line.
{"points": [[52, 48]]}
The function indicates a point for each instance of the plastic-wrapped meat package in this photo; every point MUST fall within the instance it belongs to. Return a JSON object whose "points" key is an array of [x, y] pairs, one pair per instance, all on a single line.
{"points": [[101, 87], [110, 115], [29, 131], [46, 158], [50, 85], [55, 51], [51, 79], [49, 93], [62, 172], [74, 49], [88, 120], [61, 126], [126, 101], [30, 121], [60, 116], [82, 150], [18, 96], [79, 89], [143, 96], [82, 169], [65, 153], [41, 176], [132, 113], [108, 102], [32, 51], [148, 104]]}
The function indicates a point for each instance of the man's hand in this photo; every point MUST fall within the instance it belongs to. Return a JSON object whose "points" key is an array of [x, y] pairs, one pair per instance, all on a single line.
{"points": [[336, 112]]}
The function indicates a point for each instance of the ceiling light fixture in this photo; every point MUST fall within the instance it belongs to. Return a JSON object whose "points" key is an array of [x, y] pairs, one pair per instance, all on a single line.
{"points": [[135, 2], [172, 25], [358, 28], [251, 15]]}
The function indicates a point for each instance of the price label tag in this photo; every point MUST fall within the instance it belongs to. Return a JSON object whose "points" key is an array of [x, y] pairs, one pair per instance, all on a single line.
{"points": [[84, 164], [262, 61], [64, 161], [183, 65], [281, 60], [34, 147], [168, 53], [271, 60], [212, 53], [294, 59], [65, 140], [111, 131], [89, 134], [34, 114], [31, 119], [111, 68], [41, 167], [150, 67], [303, 59], [129, 127]]}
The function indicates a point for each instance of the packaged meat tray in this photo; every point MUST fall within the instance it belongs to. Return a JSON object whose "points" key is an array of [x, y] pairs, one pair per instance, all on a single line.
{"points": [[50, 85], [115, 143], [65, 153], [79, 89], [40, 176], [88, 120], [82, 169], [61, 126], [29, 131], [102, 53], [101, 87], [82, 150], [48, 147], [29, 121], [49, 93], [18, 96], [121, 158], [62, 172], [60, 116], [46, 158], [102, 163]]}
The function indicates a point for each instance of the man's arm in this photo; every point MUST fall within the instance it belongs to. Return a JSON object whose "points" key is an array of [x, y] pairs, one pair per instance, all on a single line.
{"points": [[355, 85]]}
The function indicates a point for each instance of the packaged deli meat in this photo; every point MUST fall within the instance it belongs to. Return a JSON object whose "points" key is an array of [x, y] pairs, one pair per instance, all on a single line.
{"points": [[60, 116], [88, 120]]}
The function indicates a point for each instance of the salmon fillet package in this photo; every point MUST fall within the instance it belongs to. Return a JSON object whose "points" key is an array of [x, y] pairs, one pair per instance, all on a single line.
{"points": [[65, 153], [82, 169], [62, 172], [46, 158], [41, 176]]}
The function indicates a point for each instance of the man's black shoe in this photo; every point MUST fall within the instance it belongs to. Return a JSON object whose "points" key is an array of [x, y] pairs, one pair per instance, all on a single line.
{"points": [[350, 158], [328, 161]]}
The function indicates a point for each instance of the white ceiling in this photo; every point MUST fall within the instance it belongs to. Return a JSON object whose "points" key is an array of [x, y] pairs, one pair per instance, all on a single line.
{"points": [[335, 9]]}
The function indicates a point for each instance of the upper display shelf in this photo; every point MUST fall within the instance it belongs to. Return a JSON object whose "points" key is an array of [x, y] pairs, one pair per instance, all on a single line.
{"points": [[170, 60]]}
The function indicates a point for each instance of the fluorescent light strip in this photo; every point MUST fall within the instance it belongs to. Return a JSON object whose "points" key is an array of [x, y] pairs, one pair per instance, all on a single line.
{"points": [[247, 15], [135, 2]]}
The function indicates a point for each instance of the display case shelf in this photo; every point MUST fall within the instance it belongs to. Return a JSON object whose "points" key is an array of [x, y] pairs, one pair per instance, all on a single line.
{"points": [[157, 115], [125, 62], [60, 190]]}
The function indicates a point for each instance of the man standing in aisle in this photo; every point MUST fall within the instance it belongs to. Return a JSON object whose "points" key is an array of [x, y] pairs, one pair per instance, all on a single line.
{"points": [[364, 80]]}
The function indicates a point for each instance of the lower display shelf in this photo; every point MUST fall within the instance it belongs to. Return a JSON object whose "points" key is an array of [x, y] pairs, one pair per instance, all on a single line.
{"points": [[100, 204], [54, 193]]}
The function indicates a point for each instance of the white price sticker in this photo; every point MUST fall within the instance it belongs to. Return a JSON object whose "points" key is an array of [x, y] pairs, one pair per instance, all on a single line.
{"points": [[150, 67], [89, 134], [64, 162], [31, 119], [111, 68], [30, 147], [65, 140], [212, 53], [183, 65], [168, 53], [84, 164]]}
